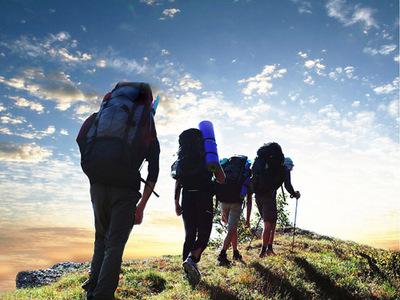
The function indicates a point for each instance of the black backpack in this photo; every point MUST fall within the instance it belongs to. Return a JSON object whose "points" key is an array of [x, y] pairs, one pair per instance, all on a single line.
{"points": [[235, 170], [113, 142], [235, 176], [268, 169], [190, 167]]}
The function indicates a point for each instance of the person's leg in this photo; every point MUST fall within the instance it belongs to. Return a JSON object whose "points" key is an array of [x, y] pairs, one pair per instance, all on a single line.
{"points": [[123, 206], [271, 239], [204, 205], [225, 217], [273, 218], [98, 194], [235, 239], [189, 222]]}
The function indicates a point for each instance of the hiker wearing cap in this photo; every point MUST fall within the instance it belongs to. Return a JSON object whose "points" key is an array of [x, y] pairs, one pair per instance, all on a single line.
{"points": [[194, 180], [269, 173], [231, 195], [113, 143]]}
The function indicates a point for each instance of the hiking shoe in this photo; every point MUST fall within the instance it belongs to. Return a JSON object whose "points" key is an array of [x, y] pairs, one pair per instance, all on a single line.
{"points": [[222, 260], [237, 255], [271, 252], [192, 271], [262, 254]]}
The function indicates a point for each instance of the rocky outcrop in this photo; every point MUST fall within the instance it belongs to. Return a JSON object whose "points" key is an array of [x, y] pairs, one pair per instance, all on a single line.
{"points": [[36, 278]]}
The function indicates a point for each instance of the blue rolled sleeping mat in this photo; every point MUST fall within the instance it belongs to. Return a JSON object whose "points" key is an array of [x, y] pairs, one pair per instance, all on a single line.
{"points": [[210, 145]]}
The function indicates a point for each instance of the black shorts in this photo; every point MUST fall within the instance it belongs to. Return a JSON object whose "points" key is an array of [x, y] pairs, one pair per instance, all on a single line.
{"points": [[266, 205]]}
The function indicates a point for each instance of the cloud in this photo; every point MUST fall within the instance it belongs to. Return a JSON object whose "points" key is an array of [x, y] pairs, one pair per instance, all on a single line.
{"points": [[261, 84], [187, 83], [394, 108], [32, 105], [388, 88], [64, 132], [302, 54], [2, 107], [355, 104], [349, 15], [58, 46], [397, 58], [309, 80], [304, 7], [56, 86], [123, 64], [23, 152], [10, 119], [171, 12], [383, 50], [165, 52]]}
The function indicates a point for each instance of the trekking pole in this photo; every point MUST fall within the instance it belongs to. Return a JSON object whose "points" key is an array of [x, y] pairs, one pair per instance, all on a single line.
{"points": [[294, 225], [253, 234]]}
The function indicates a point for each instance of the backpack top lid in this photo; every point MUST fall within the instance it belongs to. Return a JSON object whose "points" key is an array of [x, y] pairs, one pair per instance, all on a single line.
{"points": [[271, 151], [137, 91]]}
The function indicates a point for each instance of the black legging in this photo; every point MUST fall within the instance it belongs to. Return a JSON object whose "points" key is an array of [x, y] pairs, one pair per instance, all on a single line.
{"points": [[197, 216]]}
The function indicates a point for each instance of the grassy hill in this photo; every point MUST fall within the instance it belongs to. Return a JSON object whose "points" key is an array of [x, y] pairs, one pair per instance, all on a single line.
{"points": [[320, 268]]}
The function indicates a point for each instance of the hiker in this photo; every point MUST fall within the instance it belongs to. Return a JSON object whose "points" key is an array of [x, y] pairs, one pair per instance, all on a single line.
{"points": [[195, 181], [114, 143], [269, 172], [231, 195]]}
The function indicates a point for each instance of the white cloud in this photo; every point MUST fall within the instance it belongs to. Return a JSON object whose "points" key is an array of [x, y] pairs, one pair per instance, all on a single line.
{"points": [[383, 50], [309, 80], [9, 119], [355, 104], [302, 54], [2, 107], [349, 15], [397, 58], [187, 83], [304, 7], [388, 88], [101, 63], [164, 52], [64, 131], [22, 102], [125, 65], [56, 86], [393, 108], [23, 152], [171, 12], [261, 83]]}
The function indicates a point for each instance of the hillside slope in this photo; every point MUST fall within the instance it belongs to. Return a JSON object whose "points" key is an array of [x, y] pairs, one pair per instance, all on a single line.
{"points": [[320, 268]]}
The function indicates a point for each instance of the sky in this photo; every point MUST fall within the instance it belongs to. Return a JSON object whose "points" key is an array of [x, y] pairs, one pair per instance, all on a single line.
{"points": [[321, 78]]}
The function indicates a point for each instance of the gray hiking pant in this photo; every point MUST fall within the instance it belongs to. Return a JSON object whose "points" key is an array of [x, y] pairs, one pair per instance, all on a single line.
{"points": [[114, 214]]}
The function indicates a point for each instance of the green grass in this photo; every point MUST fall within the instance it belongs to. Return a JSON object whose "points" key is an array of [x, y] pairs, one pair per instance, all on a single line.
{"points": [[320, 268]]}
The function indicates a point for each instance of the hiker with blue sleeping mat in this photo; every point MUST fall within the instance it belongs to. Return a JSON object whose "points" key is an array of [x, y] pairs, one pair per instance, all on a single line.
{"points": [[114, 142], [194, 178], [231, 195]]}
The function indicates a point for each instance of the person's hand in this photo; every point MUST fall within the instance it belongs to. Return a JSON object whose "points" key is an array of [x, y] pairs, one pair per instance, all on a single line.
{"points": [[297, 195], [139, 215], [178, 209]]}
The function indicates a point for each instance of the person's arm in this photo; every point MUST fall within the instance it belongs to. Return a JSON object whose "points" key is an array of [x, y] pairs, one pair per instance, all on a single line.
{"points": [[288, 185], [220, 175], [178, 208], [152, 157]]}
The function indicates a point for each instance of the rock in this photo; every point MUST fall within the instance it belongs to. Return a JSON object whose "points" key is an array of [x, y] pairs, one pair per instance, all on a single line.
{"points": [[36, 278]]}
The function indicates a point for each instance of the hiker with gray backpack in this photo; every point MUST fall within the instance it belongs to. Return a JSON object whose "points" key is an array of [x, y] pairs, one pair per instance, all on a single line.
{"points": [[113, 143], [231, 195], [269, 173], [194, 179]]}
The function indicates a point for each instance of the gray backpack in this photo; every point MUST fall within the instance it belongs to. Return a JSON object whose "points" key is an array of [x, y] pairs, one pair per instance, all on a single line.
{"points": [[118, 136]]}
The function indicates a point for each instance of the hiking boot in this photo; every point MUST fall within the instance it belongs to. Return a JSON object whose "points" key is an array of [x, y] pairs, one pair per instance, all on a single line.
{"points": [[192, 271], [223, 260], [271, 252], [262, 254], [237, 255]]}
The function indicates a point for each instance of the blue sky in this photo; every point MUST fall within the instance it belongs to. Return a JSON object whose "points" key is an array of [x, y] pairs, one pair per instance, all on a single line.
{"points": [[319, 77]]}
